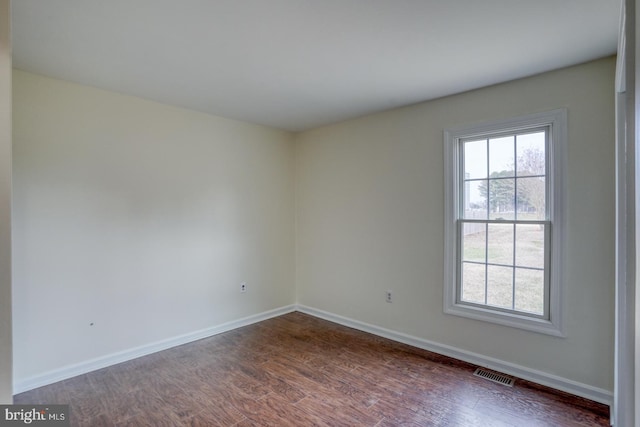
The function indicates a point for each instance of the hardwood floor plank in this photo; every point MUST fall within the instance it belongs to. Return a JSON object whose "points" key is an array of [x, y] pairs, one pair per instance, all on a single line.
{"points": [[78, 387], [121, 409], [315, 383], [276, 384], [336, 413], [297, 370], [285, 411], [339, 358], [87, 407], [254, 410], [208, 420], [100, 420], [211, 405]]}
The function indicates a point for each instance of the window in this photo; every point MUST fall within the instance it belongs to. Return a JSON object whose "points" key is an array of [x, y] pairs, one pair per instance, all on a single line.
{"points": [[504, 221]]}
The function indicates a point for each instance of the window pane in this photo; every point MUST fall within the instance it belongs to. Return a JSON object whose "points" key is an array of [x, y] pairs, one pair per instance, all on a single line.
{"points": [[500, 286], [475, 159], [531, 154], [501, 156], [500, 244], [502, 198], [532, 198], [475, 199], [473, 276], [530, 291], [474, 237], [530, 245]]}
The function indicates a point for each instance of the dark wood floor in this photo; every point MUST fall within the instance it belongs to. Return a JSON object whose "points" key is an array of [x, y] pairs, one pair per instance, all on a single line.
{"points": [[297, 370]]}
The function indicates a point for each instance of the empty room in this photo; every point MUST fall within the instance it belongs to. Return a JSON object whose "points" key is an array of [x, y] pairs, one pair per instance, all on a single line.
{"points": [[303, 212]]}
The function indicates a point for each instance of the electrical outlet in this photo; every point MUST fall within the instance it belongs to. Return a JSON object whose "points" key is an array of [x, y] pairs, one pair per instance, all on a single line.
{"points": [[389, 296], [243, 287]]}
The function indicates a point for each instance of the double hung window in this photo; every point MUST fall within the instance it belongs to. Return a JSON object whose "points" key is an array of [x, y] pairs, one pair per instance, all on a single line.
{"points": [[503, 221]]}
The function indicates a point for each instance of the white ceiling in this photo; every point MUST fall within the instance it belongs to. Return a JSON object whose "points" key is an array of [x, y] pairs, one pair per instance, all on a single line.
{"points": [[299, 64]]}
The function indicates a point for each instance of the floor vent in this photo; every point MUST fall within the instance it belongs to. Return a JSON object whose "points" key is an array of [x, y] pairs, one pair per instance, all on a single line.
{"points": [[495, 377]]}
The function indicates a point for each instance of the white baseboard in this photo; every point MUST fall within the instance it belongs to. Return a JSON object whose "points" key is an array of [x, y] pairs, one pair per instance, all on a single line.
{"points": [[22, 385], [579, 389], [556, 382]]}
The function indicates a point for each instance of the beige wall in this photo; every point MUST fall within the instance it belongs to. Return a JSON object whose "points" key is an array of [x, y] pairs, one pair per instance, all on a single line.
{"points": [[5, 206], [369, 212], [142, 219]]}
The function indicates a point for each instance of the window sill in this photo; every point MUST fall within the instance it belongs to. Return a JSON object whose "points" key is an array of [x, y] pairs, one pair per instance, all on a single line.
{"points": [[541, 326]]}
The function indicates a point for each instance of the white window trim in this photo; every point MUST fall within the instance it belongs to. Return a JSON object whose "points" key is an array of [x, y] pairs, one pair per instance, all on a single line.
{"points": [[557, 167]]}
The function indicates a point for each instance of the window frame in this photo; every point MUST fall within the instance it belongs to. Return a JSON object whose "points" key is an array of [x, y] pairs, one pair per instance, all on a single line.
{"points": [[556, 120]]}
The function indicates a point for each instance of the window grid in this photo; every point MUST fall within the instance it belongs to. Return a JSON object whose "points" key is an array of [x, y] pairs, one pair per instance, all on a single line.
{"points": [[514, 267], [488, 179]]}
